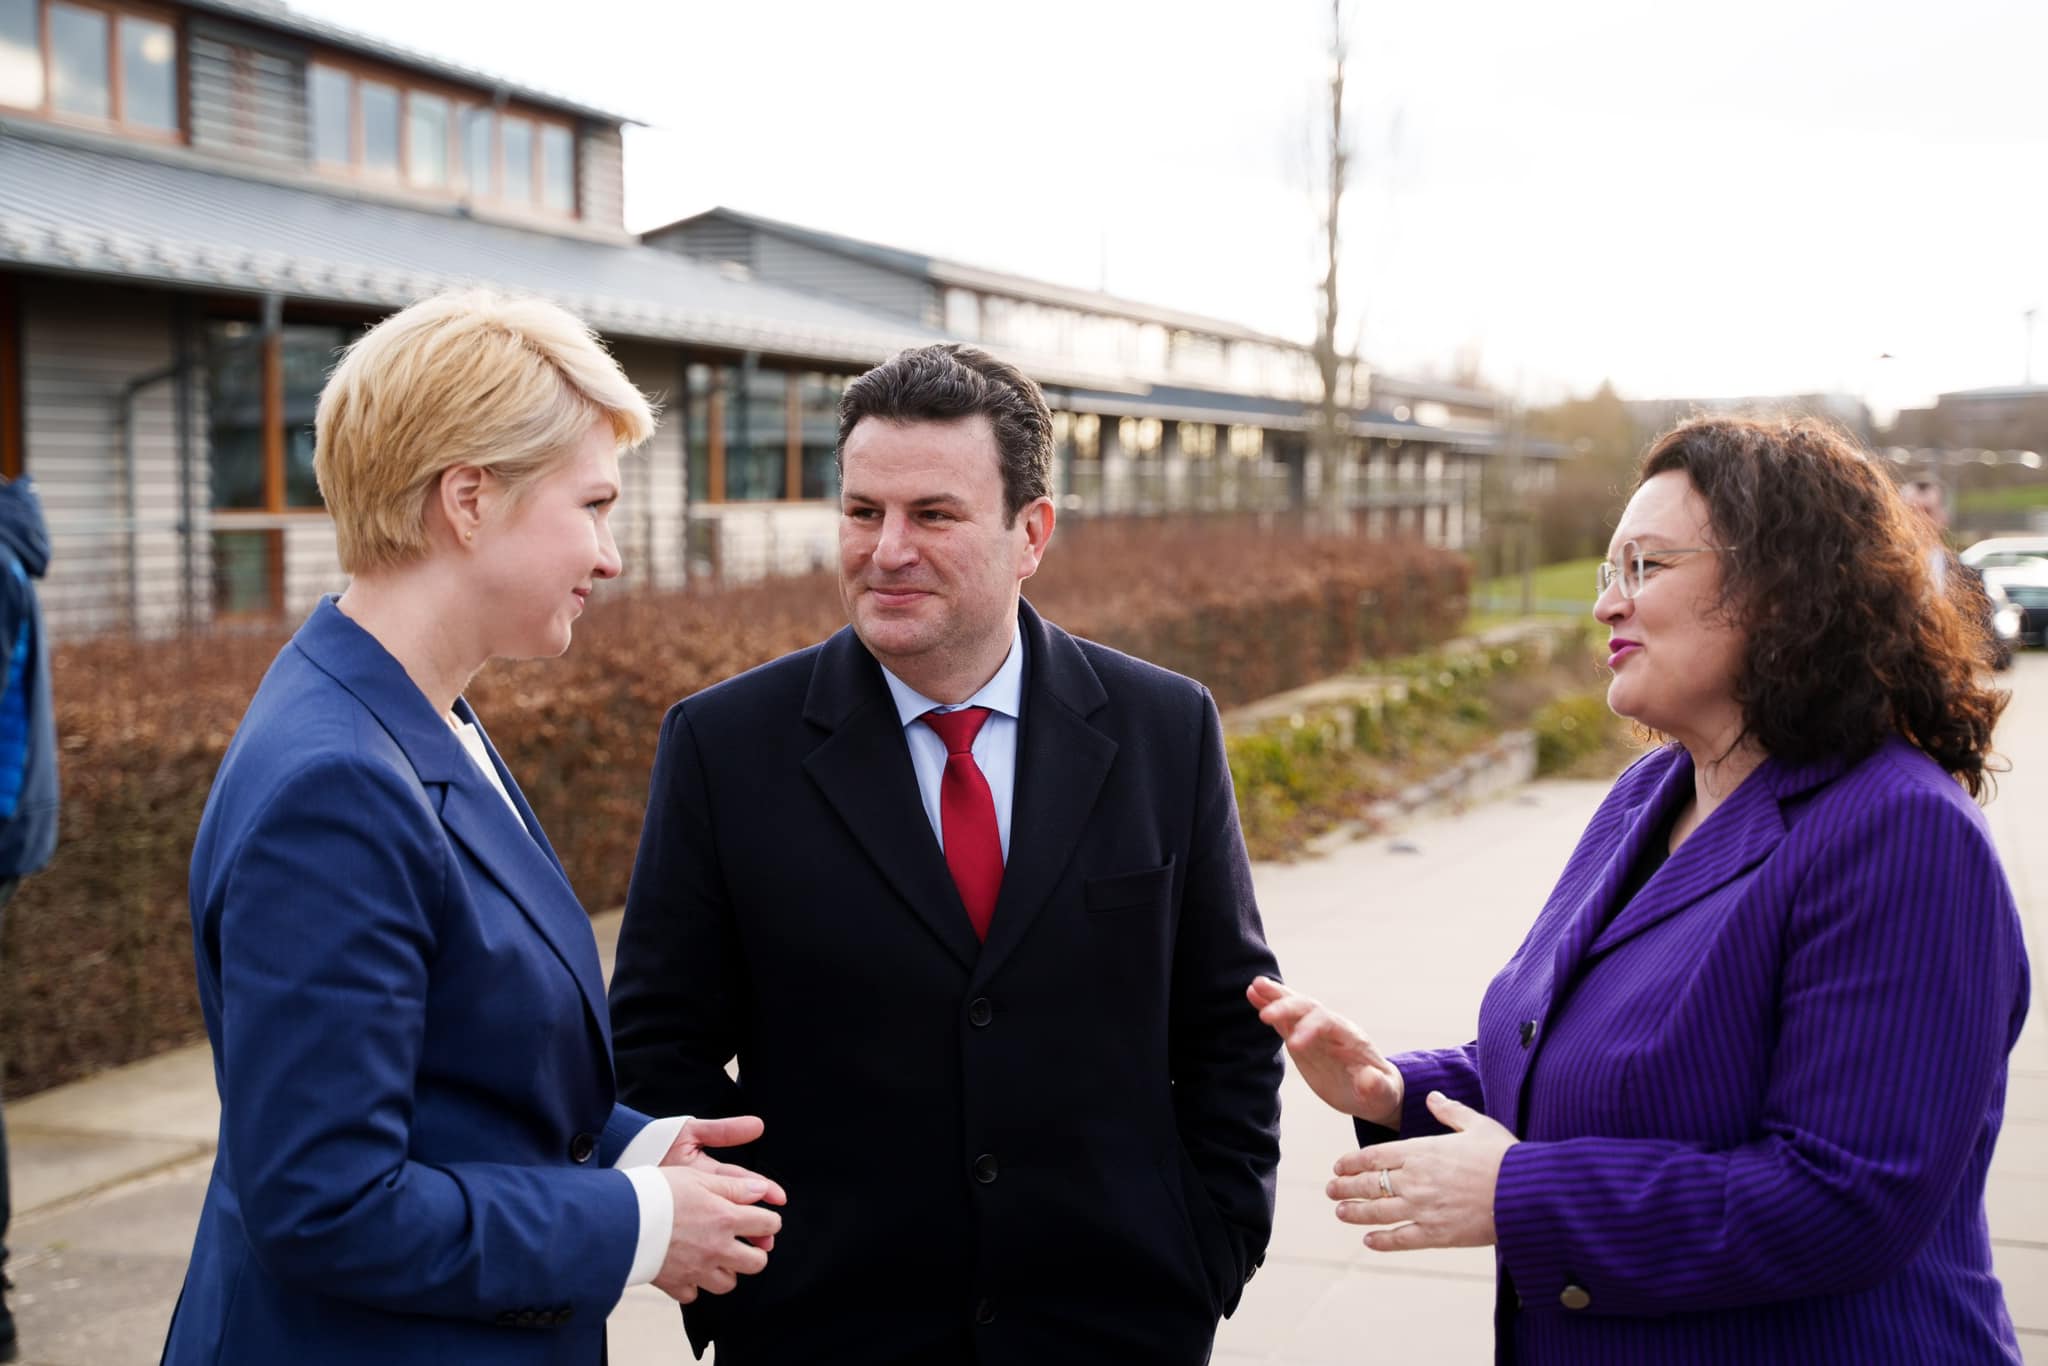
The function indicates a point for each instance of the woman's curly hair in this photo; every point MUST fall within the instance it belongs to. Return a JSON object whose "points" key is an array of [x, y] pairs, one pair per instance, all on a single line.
{"points": [[1827, 571]]}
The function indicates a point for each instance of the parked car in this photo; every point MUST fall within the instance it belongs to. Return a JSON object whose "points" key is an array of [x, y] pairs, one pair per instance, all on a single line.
{"points": [[2017, 566], [2006, 617]]}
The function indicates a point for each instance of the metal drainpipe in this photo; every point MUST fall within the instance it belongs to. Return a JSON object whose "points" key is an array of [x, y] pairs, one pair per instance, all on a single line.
{"points": [[181, 361], [131, 510]]}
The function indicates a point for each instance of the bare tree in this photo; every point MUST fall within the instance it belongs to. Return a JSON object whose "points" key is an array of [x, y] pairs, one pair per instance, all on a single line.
{"points": [[1331, 439]]}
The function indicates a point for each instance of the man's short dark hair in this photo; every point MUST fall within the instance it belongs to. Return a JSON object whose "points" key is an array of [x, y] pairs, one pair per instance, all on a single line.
{"points": [[947, 382]]}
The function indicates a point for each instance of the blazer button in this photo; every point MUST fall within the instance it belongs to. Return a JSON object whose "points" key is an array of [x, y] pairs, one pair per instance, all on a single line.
{"points": [[1528, 1032], [980, 1012], [985, 1312], [985, 1168], [582, 1147], [1574, 1297]]}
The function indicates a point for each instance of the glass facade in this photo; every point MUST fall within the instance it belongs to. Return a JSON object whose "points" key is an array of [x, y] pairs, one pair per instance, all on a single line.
{"points": [[79, 80], [380, 126], [557, 168], [235, 408], [328, 108], [479, 152], [149, 74], [244, 565], [697, 431], [426, 140], [21, 53], [756, 435], [517, 137], [818, 412]]}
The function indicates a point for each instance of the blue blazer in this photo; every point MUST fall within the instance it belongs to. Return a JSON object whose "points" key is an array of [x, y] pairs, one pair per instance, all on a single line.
{"points": [[1759, 1099], [410, 1041]]}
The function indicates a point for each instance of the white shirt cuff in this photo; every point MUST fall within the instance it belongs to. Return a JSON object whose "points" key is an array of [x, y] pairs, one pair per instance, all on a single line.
{"points": [[652, 1143], [657, 1205]]}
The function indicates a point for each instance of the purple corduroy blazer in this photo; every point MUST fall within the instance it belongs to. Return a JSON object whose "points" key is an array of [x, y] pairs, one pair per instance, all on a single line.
{"points": [[1757, 1102]]}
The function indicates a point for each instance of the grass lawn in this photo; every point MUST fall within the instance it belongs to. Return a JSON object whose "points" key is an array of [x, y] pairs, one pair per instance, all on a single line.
{"points": [[2015, 499], [1566, 587]]}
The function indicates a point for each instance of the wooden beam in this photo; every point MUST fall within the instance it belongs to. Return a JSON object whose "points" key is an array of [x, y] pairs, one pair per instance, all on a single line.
{"points": [[714, 436], [273, 420]]}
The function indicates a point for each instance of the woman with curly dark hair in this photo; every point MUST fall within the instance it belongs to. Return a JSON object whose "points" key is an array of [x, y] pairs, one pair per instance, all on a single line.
{"points": [[1735, 1096]]}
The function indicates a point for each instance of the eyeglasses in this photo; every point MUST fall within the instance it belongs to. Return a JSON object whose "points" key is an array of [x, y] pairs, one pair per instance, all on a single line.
{"points": [[1637, 565]]}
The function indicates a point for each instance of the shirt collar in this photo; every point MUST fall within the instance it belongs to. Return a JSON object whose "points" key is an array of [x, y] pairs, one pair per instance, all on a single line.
{"points": [[1004, 693]]}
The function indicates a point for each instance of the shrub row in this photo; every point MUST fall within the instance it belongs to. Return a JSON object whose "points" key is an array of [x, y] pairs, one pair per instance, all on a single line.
{"points": [[97, 960], [1312, 771]]}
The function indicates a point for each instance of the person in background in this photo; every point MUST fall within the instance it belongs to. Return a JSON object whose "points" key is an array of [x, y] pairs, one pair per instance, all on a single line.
{"points": [[1735, 1097], [422, 1158], [1926, 497], [28, 754]]}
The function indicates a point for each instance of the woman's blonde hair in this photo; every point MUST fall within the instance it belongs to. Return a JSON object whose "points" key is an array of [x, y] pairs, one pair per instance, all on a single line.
{"points": [[470, 377]]}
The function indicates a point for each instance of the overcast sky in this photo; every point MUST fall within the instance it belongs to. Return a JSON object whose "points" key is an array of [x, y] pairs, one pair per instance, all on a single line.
{"points": [[1688, 198]]}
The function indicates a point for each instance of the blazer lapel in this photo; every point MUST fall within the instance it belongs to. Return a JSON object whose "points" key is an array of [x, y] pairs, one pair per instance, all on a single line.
{"points": [[1734, 839], [517, 859], [863, 768], [1641, 825], [1062, 762]]}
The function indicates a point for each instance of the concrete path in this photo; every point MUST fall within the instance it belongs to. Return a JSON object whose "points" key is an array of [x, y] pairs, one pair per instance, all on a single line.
{"points": [[1402, 933]]}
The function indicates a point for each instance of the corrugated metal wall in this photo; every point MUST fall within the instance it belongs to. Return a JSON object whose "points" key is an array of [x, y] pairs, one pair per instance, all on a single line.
{"points": [[81, 346], [248, 95]]}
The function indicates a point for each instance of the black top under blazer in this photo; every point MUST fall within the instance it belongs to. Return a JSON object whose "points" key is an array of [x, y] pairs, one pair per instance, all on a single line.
{"points": [[1056, 1146]]}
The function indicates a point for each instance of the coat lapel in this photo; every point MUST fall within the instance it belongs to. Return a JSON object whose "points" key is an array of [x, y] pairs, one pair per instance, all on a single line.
{"points": [[518, 859], [1062, 762], [862, 766]]}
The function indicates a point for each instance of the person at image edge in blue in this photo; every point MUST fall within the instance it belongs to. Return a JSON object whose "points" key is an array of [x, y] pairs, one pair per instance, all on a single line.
{"points": [[28, 751]]}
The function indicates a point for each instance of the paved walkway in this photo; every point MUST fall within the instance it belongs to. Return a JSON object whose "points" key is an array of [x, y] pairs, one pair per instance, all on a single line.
{"points": [[1403, 934]]}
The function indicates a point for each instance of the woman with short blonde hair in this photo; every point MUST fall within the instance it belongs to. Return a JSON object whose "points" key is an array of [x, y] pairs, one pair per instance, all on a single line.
{"points": [[422, 1157]]}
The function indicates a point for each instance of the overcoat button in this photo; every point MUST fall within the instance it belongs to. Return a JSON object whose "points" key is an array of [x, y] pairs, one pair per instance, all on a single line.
{"points": [[582, 1147], [980, 1012], [1574, 1297], [985, 1168], [985, 1312]]}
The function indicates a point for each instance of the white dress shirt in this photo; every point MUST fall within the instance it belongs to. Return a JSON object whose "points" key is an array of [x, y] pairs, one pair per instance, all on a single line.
{"points": [[995, 745], [639, 1162]]}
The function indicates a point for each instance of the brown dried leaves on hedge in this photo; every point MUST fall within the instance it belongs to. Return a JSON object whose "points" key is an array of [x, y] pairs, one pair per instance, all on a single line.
{"points": [[98, 953]]}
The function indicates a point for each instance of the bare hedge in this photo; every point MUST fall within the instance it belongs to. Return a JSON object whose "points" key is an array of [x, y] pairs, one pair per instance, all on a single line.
{"points": [[98, 961]]}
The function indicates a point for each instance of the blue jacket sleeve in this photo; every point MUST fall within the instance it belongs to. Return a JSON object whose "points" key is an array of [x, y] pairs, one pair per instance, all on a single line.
{"points": [[325, 941], [1901, 972]]}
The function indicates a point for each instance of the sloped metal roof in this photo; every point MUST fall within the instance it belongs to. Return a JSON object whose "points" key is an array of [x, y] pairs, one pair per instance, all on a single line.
{"points": [[71, 207], [942, 271]]}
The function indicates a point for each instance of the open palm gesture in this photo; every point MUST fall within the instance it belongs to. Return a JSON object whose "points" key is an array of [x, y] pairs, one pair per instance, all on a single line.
{"points": [[1333, 1055]]}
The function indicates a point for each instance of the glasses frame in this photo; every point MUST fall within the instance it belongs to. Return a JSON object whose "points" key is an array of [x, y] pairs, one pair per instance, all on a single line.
{"points": [[1634, 557]]}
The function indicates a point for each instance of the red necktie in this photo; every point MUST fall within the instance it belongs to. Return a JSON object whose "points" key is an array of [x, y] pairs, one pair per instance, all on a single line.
{"points": [[967, 816]]}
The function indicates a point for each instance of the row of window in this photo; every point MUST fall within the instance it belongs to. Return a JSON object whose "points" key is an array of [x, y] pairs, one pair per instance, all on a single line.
{"points": [[434, 142], [90, 62], [1145, 347], [93, 63]]}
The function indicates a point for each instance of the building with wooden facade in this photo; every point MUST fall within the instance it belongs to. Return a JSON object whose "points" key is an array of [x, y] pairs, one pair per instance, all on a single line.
{"points": [[202, 200]]}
